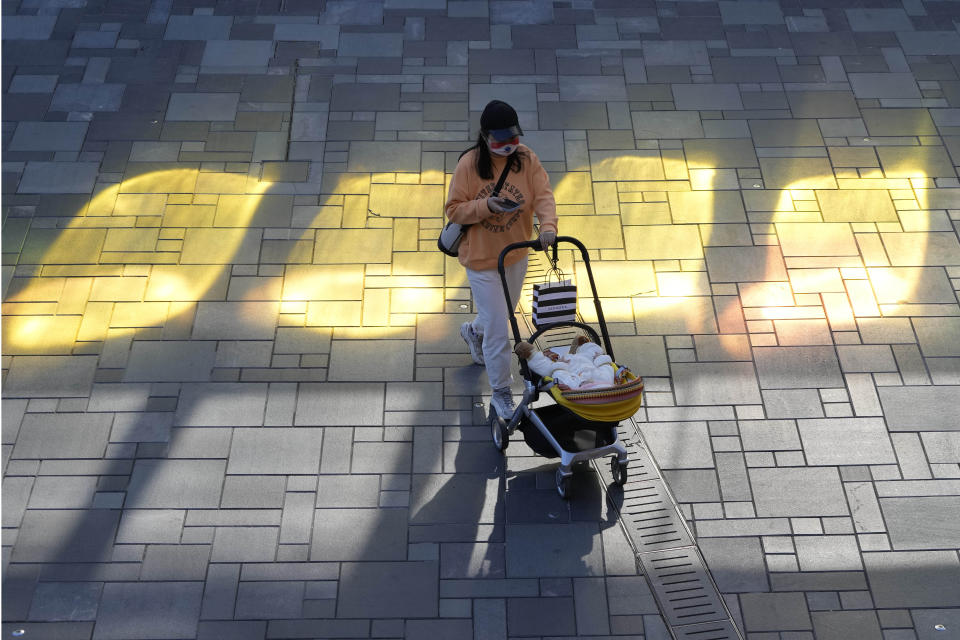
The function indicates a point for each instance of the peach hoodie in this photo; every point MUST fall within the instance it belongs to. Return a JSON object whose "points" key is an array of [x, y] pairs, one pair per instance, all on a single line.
{"points": [[491, 232]]}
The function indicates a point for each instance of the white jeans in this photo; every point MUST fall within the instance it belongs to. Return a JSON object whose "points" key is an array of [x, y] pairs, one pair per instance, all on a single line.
{"points": [[492, 320]]}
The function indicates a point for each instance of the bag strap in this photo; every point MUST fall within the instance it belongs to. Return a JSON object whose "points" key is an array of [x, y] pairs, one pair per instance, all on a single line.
{"points": [[503, 176]]}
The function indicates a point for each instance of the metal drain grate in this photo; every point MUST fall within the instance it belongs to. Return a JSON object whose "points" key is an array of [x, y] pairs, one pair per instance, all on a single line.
{"points": [[683, 588], [722, 630]]}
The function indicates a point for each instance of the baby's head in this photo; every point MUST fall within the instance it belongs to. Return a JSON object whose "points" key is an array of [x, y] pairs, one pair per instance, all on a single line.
{"points": [[578, 342], [524, 350]]}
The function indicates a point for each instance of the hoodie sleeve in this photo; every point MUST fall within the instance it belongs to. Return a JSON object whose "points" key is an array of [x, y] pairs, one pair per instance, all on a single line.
{"points": [[462, 207], [544, 204]]}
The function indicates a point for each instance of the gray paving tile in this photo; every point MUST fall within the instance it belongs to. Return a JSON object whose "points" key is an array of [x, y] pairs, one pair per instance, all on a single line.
{"points": [[228, 53], [62, 436], [706, 96], [353, 404], [202, 106], [918, 523], [270, 600], [149, 610], [553, 550], [170, 361], [715, 383], [745, 264], [797, 492], [735, 563], [675, 52], [678, 445], [175, 562], [146, 526], [198, 27], [65, 601], [66, 536], [769, 435], [48, 136], [348, 491], [384, 156], [835, 625], [244, 544], [791, 367], [16, 494], [774, 611], [388, 590], [357, 359], [911, 579], [87, 97], [253, 492], [884, 85], [175, 484], [919, 408], [36, 27], [454, 498], [921, 43], [361, 96], [553, 616], [58, 177], [277, 450], [359, 534], [381, 457], [370, 44], [325, 36], [221, 404], [563, 115], [825, 441]]}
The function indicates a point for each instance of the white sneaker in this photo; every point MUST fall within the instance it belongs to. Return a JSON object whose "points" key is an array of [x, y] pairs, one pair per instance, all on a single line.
{"points": [[502, 401], [474, 341]]}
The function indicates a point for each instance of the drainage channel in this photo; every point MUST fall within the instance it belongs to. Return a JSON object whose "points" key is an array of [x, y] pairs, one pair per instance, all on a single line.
{"points": [[686, 594]]}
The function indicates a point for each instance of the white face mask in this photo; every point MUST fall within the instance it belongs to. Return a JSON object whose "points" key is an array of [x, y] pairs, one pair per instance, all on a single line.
{"points": [[501, 150]]}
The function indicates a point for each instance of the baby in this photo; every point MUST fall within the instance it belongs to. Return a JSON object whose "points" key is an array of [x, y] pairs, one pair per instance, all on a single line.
{"points": [[585, 366]]}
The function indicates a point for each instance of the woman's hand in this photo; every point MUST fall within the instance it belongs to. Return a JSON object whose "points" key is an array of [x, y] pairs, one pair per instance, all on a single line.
{"points": [[500, 205], [547, 238]]}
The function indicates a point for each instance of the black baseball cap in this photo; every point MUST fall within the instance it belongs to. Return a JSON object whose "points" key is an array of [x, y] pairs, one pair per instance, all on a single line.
{"points": [[500, 121]]}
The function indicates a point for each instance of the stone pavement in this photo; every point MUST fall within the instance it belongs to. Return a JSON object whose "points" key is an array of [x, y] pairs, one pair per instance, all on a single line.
{"points": [[235, 401]]}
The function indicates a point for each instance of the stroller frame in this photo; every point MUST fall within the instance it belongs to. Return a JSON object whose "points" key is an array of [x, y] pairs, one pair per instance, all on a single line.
{"points": [[501, 429]]}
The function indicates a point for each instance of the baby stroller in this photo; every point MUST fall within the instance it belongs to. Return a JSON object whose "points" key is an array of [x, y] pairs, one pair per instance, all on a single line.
{"points": [[580, 425]]}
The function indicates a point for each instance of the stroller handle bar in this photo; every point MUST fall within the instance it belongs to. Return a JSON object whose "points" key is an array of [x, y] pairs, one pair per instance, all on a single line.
{"points": [[535, 244]]}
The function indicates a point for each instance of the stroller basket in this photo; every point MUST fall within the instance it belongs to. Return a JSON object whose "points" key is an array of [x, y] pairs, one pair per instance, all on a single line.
{"points": [[570, 430], [602, 404]]}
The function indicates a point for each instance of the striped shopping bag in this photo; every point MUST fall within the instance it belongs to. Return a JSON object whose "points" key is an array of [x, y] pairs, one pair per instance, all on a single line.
{"points": [[554, 302]]}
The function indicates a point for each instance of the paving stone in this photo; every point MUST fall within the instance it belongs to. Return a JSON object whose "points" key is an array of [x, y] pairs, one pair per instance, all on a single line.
{"points": [[175, 562], [921, 43], [150, 526], [793, 367], [277, 450], [592, 88], [175, 484], [918, 523], [774, 611], [659, 316], [364, 360], [693, 485], [87, 97], [455, 498], [553, 616], [48, 136], [388, 590], [919, 249], [326, 36], [58, 177], [359, 534], [856, 205], [149, 610], [822, 104], [735, 563], [563, 115], [678, 445], [62, 435], [244, 544], [65, 601], [355, 97], [170, 361], [876, 19], [927, 619], [717, 154], [66, 536], [16, 494], [472, 560], [836, 625], [909, 579], [769, 435], [553, 550], [229, 53], [899, 285], [270, 600], [797, 492], [217, 629], [919, 408], [253, 492], [745, 264], [715, 383], [354, 404], [221, 404], [903, 122], [667, 124], [202, 106], [923, 162], [371, 44], [884, 85], [707, 97], [28, 27], [198, 27], [675, 52]]}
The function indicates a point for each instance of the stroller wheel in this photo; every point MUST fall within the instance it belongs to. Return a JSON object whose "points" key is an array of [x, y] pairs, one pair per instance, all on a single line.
{"points": [[618, 470], [563, 485], [498, 431]]}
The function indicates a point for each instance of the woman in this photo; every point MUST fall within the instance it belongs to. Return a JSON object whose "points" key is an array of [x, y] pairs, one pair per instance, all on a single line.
{"points": [[495, 223]]}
